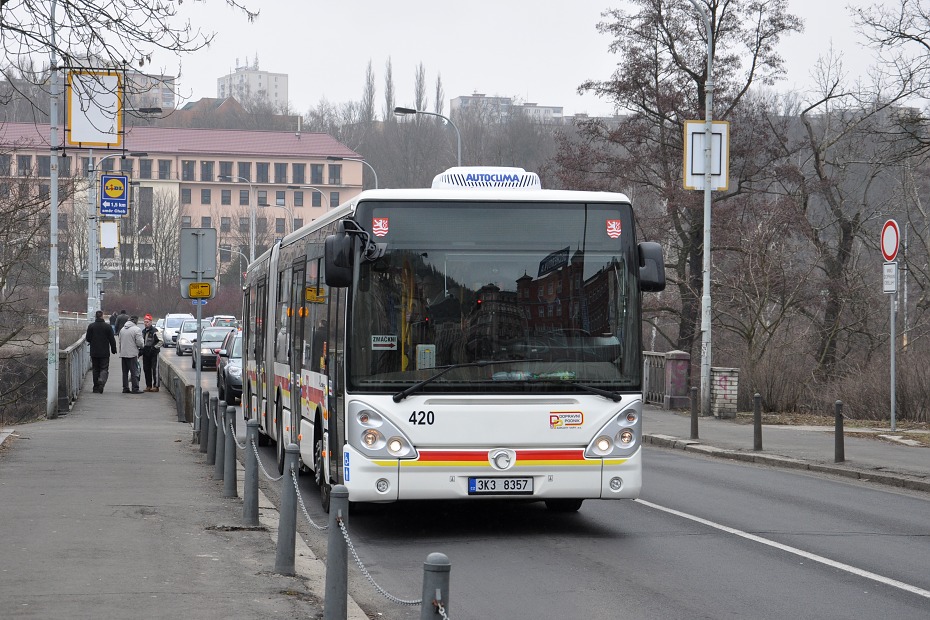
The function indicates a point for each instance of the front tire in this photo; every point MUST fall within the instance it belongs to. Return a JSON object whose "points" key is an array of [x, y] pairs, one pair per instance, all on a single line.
{"points": [[563, 505], [320, 475], [279, 448]]}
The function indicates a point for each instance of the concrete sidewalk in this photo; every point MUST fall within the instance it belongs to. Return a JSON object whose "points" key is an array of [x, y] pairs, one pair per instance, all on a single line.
{"points": [[110, 512], [875, 454]]}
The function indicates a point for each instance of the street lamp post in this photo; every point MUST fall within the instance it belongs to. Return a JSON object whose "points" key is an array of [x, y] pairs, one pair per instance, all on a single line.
{"points": [[289, 212], [408, 111], [251, 213], [361, 161], [92, 295], [313, 187], [51, 393]]}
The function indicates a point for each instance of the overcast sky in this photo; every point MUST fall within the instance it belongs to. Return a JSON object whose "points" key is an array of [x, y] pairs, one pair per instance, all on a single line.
{"points": [[533, 51]]}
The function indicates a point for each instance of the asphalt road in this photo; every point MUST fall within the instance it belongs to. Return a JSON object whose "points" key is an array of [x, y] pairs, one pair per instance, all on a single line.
{"points": [[707, 539]]}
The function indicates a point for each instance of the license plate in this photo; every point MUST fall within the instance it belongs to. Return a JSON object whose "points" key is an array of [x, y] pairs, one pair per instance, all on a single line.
{"points": [[500, 486]]}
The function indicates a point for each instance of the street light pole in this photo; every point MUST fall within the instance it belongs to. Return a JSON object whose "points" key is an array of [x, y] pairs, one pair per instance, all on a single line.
{"points": [[361, 161], [313, 187], [708, 137], [407, 111], [226, 177], [51, 394]]}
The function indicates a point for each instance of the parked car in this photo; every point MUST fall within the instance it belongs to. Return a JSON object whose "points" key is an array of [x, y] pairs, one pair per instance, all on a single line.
{"points": [[224, 320], [229, 368], [187, 336], [205, 351], [172, 324]]}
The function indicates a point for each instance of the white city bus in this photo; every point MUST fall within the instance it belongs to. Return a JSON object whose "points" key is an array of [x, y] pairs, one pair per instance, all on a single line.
{"points": [[477, 339]]}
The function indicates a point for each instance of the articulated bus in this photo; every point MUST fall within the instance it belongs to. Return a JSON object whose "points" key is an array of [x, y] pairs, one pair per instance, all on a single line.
{"points": [[477, 339]]}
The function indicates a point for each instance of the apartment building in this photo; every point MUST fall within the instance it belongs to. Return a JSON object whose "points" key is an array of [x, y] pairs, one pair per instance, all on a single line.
{"points": [[214, 177], [248, 81]]}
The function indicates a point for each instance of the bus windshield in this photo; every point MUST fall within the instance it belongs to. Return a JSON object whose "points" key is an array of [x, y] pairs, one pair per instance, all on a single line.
{"points": [[547, 291]]}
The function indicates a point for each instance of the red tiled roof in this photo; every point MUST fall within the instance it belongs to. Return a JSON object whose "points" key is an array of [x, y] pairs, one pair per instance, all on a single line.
{"points": [[185, 140]]}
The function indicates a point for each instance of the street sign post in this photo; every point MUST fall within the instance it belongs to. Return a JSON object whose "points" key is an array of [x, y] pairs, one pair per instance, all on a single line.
{"points": [[891, 238], [114, 199]]}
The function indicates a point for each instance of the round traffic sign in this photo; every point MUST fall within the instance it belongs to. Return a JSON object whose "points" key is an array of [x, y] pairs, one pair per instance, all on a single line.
{"points": [[891, 238]]}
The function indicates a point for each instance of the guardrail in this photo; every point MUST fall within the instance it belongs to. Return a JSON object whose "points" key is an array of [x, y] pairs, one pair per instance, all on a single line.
{"points": [[73, 364]]}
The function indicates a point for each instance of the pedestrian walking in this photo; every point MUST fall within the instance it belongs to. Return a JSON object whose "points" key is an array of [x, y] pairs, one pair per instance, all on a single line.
{"points": [[121, 320], [113, 321], [102, 343], [130, 348], [151, 345]]}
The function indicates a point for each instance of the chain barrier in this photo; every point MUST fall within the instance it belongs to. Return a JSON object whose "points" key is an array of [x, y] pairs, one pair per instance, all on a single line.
{"points": [[441, 609], [371, 580], [232, 430], [303, 507], [261, 466]]}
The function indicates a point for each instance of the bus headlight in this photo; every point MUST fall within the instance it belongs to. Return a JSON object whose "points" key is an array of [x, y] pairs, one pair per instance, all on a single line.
{"points": [[620, 436], [374, 435]]}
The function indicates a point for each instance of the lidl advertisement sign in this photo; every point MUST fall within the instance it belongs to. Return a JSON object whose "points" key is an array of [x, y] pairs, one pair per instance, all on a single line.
{"points": [[114, 195]]}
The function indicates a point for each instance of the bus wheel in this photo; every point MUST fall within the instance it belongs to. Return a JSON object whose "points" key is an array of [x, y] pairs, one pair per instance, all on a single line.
{"points": [[279, 448], [320, 475], [563, 505]]}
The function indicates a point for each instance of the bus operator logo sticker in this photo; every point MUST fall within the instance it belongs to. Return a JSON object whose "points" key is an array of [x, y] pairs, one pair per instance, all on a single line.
{"points": [[566, 419], [379, 226], [613, 228]]}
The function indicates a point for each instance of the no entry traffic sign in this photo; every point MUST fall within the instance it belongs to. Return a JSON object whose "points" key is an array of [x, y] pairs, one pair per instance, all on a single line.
{"points": [[891, 238]]}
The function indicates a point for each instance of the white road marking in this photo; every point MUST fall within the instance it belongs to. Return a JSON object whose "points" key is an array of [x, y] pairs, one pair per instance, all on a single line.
{"points": [[894, 583]]}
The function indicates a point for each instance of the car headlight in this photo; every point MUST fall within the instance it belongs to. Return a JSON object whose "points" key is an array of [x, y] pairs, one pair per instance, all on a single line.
{"points": [[183, 341]]}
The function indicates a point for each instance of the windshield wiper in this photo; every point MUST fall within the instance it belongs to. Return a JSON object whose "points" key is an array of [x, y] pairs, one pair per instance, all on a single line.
{"points": [[614, 396], [416, 386]]}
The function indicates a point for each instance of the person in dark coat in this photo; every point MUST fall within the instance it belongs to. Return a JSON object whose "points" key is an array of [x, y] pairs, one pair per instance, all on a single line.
{"points": [[102, 343], [113, 321], [151, 345], [120, 321]]}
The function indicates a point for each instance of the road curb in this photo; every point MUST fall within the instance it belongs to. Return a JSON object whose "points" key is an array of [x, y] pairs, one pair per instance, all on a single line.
{"points": [[887, 478]]}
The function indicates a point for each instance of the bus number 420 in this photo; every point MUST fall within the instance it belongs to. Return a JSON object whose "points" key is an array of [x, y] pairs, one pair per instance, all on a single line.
{"points": [[421, 417]]}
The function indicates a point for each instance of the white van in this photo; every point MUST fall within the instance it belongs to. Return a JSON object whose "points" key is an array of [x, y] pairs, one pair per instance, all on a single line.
{"points": [[172, 325]]}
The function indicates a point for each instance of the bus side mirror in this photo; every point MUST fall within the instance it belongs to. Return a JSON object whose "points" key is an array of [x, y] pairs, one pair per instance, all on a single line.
{"points": [[338, 256], [651, 267]]}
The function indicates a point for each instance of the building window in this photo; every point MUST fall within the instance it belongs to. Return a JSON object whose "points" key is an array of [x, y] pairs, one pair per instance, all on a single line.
{"points": [[64, 166], [298, 198], [125, 166], [225, 253], [146, 251], [335, 174], [106, 165], [44, 190], [225, 224], [261, 172], [24, 165], [85, 167], [146, 205], [279, 198], [205, 197], [279, 225], [187, 170], [226, 197], [164, 169], [5, 163], [243, 224], [185, 221], [63, 221], [226, 170], [206, 222], [206, 171], [261, 225], [245, 170], [185, 195], [262, 198], [45, 165], [298, 223], [280, 173], [145, 168], [300, 173], [316, 199], [126, 250], [333, 200], [107, 252], [316, 174]]}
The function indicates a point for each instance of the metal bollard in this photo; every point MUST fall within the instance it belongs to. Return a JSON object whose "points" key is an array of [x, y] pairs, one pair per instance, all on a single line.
{"points": [[219, 461], [229, 463], [211, 433], [435, 586], [839, 449], [198, 419], [336, 593], [205, 422], [287, 520], [694, 413], [757, 421], [250, 484], [179, 399]]}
